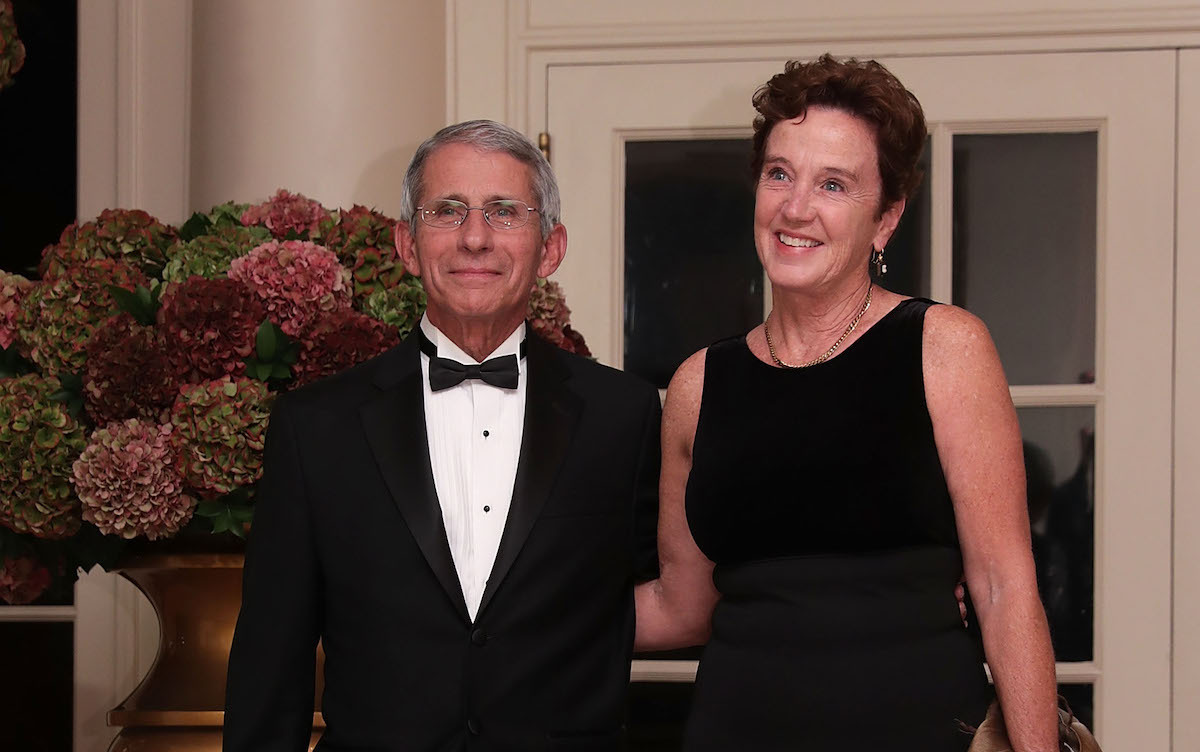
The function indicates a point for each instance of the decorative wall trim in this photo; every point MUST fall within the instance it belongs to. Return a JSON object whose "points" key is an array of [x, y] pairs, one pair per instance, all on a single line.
{"points": [[955, 23], [491, 40]]}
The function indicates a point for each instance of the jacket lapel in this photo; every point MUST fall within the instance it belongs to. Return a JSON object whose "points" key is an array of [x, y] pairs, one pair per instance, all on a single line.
{"points": [[551, 414], [394, 422]]}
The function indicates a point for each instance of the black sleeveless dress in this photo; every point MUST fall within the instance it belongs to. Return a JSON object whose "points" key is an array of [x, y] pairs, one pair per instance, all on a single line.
{"points": [[819, 496]]}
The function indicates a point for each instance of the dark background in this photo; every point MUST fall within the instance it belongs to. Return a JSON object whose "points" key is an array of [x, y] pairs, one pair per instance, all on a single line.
{"points": [[37, 135], [37, 200]]}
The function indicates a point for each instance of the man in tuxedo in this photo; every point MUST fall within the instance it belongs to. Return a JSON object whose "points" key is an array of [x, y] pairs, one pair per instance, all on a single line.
{"points": [[458, 520]]}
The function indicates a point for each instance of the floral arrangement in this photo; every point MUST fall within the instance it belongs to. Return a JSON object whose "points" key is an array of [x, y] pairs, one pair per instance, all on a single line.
{"points": [[12, 51], [137, 373]]}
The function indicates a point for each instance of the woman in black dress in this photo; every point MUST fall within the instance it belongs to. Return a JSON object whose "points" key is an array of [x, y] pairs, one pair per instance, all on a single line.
{"points": [[831, 475]]}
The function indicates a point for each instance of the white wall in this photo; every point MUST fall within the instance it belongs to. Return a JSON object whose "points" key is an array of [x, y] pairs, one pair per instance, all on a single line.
{"points": [[326, 98]]}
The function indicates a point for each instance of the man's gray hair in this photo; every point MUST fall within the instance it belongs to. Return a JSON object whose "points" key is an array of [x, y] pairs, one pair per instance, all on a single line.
{"points": [[486, 135]]}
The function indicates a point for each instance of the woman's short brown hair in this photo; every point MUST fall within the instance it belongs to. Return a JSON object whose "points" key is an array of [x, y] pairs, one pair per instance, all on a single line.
{"points": [[862, 88]]}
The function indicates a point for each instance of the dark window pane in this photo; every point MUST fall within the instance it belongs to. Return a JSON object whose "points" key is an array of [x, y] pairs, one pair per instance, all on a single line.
{"points": [[657, 712], [691, 273], [1025, 249], [907, 254], [1079, 696], [36, 694], [37, 135], [1059, 474]]}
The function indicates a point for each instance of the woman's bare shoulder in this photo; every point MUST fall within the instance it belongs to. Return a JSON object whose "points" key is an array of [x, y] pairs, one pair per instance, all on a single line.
{"points": [[954, 335], [681, 411]]}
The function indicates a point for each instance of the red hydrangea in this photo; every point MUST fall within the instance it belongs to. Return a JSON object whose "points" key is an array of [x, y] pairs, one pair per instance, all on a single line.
{"points": [[12, 288], [298, 281], [39, 441], [12, 51], [129, 482], [289, 216], [573, 342], [130, 235], [340, 340], [210, 325], [127, 373], [57, 318], [551, 319], [23, 579], [220, 426]]}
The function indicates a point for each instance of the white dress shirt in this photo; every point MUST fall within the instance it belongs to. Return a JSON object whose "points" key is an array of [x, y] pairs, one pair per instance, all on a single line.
{"points": [[474, 433]]}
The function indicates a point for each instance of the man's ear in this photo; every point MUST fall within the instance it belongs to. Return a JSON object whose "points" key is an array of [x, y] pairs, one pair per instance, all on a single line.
{"points": [[406, 246], [553, 251]]}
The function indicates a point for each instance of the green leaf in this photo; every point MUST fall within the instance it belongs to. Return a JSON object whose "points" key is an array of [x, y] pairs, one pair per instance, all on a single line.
{"points": [[210, 508], [139, 304], [71, 381], [13, 365], [266, 343], [125, 300], [280, 372], [197, 225]]}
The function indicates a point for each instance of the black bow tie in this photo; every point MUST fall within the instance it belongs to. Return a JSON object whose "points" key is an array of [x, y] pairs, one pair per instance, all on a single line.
{"points": [[444, 373]]}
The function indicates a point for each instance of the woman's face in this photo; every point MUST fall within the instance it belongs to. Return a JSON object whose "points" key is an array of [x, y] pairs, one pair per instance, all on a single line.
{"points": [[816, 212]]}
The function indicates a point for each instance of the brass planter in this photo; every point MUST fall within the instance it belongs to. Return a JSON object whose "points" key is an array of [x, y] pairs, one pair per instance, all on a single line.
{"points": [[180, 705]]}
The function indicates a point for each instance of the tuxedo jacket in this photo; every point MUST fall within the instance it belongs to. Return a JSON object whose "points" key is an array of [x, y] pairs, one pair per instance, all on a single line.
{"points": [[348, 546]]}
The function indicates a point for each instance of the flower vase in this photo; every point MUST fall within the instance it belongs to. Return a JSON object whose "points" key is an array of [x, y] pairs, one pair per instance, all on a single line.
{"points": [[180, 704]]}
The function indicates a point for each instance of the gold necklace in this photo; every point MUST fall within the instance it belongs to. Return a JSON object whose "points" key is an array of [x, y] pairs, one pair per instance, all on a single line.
{"points": [[828, 353]]}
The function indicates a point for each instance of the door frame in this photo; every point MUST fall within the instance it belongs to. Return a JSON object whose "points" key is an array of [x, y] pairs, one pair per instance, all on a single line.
{"points": [[535, 36]]}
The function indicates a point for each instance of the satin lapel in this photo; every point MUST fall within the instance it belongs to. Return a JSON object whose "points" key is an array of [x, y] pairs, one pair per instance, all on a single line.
{"points": [[551, 415], [395, 426]]}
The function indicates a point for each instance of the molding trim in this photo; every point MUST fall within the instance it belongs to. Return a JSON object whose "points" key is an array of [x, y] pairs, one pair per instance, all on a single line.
{"points": [[953, 24]]}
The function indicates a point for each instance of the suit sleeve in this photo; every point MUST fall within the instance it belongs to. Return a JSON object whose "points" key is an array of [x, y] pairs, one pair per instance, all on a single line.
{"points": [[645, 521], [272, 664]]}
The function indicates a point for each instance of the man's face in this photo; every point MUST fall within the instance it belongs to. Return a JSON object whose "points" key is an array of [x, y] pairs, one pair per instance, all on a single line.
{"points": [[475, 273]]}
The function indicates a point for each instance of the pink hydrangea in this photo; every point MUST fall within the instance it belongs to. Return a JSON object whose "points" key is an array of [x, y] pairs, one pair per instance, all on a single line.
{"points": [[129, 481], [289, 215], [22, 580], [12, 288], [297, 280]]}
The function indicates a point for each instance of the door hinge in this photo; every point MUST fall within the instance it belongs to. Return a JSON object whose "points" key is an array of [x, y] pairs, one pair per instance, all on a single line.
{"points": [[544, 144]]}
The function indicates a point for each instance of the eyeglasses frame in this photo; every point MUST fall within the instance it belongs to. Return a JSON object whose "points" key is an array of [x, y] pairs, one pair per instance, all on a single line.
{"points": [[421, 213]]}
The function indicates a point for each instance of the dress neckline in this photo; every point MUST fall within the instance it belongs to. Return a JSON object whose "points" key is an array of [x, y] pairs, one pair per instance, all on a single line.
{"points": [[838, 356]]}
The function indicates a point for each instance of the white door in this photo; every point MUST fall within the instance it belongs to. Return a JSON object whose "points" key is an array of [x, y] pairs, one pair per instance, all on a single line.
{"points": [[1085, 333]]}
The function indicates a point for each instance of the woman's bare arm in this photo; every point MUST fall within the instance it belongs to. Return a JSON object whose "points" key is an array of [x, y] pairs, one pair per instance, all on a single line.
{"points": [[979, 444], [674, 610]]}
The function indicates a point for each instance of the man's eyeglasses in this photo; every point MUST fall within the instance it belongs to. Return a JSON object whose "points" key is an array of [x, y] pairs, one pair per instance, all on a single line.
{"points": [[505, 214]]}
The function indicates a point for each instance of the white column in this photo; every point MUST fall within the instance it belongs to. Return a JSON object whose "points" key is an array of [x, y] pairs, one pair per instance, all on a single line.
{"points": [[326, 98]]}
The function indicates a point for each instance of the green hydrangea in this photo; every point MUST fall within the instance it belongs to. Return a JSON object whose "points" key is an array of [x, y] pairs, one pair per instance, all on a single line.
{"points": [[57, 317], [219, 430], [209, 255], [39, 442], [129, 235], [400, 306]]}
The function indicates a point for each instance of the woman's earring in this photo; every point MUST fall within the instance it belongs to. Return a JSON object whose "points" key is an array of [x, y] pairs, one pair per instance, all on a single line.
{"points": [[877, 261]]}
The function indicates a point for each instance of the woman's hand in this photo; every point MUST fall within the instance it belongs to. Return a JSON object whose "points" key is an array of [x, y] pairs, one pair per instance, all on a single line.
{"points": [[979, 444], [674, 611]]}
